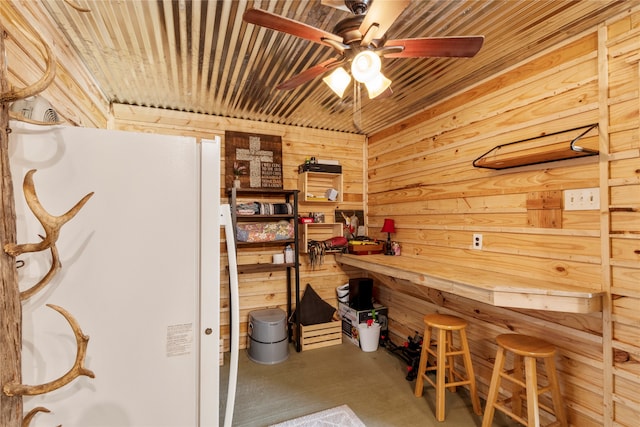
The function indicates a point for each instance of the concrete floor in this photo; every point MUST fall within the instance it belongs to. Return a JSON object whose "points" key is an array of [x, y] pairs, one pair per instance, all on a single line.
{"points": [[372, 384]]}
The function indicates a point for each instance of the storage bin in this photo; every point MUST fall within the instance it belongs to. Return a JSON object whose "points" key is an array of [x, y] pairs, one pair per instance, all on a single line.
{"points": [[369, 336], [267, 331]]}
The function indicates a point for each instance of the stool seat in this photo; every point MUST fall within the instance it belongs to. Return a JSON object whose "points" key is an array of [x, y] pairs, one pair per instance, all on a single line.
{"points": [[524, 345], [447, 376], [444, 321], [524, 381]]}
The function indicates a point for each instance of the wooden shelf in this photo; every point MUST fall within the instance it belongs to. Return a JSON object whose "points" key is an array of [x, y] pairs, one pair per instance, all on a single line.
{"points": [[529, 151], [262, 268], [314, 185], [282, 242], [500, 290], [318, 231], [256, 218]]}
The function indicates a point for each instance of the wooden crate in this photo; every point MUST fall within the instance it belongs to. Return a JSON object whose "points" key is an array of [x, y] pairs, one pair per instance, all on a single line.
{"points": [[320, 335]]}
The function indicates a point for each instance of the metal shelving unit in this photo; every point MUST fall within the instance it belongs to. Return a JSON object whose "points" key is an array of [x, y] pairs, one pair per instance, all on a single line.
{"points": [[292, 269]]}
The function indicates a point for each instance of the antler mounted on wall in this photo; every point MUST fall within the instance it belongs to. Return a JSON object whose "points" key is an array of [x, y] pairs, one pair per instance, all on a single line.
{"points": [[50, 223], [12, 389], [13, 94]]}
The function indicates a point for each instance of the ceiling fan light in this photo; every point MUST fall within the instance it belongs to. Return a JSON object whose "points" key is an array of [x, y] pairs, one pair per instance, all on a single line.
{"points": [[365, 66], [338, 81], [377, 85]]}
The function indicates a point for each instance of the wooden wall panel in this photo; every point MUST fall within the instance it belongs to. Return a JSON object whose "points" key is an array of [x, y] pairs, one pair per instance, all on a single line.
{"points": [[420, 173], [73, 93], [268, 290], [624, 189]]}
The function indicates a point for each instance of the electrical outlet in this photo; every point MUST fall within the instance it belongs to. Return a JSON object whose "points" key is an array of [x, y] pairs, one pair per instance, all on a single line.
{"points": [[583, 199], [477, 241]]}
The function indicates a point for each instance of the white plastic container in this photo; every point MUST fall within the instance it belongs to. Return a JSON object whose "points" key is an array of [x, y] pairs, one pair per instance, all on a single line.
{"points": [[288, 255], [343, 293], [369, 336]]}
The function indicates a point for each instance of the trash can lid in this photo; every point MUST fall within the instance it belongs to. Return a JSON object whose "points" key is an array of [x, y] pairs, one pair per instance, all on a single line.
{"points": [[268, 315]]}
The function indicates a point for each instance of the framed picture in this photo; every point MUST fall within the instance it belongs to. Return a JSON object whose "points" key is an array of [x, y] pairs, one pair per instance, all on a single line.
{"points": [[252, 160]]}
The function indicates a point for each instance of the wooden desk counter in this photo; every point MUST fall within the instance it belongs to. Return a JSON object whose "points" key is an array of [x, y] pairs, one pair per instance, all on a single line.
{"points": [[500, 290]]}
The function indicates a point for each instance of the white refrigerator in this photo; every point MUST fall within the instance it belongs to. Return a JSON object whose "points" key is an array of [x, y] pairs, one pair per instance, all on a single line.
{"points": [[140, 274]]}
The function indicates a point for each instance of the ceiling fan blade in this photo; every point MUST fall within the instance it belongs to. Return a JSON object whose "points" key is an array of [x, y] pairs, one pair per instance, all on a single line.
{"points": [[289, 26], [309, 74], [337, 4], [435, 47], [380, 16]]}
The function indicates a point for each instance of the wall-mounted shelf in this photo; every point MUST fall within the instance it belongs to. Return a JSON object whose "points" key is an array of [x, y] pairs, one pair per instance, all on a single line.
{"points": [[318, 231], [530, 152], [314, 185]]}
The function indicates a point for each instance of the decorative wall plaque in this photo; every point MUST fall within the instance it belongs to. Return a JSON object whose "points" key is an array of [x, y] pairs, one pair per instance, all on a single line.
{"points": [[254, 159]]}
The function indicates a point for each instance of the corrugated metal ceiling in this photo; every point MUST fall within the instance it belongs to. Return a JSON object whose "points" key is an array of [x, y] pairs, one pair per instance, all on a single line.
{"points": [[200, 56]]}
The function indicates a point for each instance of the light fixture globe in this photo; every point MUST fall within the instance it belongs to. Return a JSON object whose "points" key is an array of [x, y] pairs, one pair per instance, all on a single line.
{"points": [[365, 66], [377, 85], [338, 81]]}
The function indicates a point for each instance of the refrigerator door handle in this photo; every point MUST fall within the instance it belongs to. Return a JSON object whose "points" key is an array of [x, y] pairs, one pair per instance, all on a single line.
{"points": [[225, 219]]}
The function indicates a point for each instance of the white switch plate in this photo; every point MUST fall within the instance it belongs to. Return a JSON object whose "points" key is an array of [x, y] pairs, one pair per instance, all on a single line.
{"points": [[583, 199]]}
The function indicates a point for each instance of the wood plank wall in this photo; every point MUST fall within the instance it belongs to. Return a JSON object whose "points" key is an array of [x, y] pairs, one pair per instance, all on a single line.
{"points": [[420, 173], [621, 179], [79, 102], [268, 289], [73, 93]]}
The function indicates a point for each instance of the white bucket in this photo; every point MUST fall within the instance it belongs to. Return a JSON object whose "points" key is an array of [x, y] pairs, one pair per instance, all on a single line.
{"points": [[369, 336]]}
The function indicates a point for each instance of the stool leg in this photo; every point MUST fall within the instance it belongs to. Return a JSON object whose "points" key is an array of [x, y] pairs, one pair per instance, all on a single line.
{"points": [[450, 361], [552, 376], [516, 390], [494, 388], [422, 367], [468, 367], [533, 411], [441, 363]]}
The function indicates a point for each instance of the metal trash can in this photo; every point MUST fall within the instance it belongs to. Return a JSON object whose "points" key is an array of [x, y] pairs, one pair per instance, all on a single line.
{"points": [[268, 341]]}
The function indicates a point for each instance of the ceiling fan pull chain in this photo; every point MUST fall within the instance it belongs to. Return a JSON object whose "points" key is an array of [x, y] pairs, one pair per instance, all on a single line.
{"points": [[357, 107]]}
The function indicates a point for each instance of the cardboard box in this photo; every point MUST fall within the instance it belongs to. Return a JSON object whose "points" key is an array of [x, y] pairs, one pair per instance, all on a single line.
{"points": [[351, 317]]}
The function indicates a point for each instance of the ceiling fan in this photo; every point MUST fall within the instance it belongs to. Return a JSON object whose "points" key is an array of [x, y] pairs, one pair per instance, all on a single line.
{"points": [[361, 40]]}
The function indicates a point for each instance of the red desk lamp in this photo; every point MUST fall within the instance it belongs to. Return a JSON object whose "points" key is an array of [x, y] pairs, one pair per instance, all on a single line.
{"points": [[388, 227]]}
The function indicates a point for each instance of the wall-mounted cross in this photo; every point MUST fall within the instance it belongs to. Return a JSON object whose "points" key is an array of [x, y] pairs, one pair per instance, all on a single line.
{"points": [[256, 157]]}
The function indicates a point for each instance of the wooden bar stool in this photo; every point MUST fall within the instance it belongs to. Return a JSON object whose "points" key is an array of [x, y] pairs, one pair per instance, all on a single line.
{"points": [[526, 350], [444, 355]]}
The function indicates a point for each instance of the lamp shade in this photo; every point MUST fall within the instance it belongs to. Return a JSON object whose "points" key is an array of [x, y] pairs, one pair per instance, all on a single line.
{"points": [[377, 85], [365, 66], [388, 226], [338, 81]]}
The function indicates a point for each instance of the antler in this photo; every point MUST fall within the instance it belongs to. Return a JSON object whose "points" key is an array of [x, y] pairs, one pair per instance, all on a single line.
{"points": [[13, 389], [45, 80], [55, 267], [27, 418], [50, 223]]}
